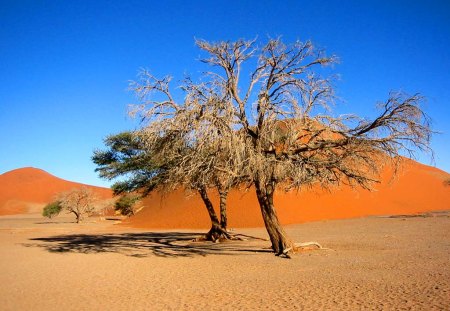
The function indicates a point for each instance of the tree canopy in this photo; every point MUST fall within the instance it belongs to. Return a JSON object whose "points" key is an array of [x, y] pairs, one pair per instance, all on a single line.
{"points": [[126, 157]]}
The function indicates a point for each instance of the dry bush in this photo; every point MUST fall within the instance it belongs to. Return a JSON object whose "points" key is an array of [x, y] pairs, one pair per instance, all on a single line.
{"points": [[79, 201]]}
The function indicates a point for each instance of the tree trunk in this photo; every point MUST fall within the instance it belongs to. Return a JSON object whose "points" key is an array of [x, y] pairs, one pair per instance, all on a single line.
{"points": [[77, 216], [216, 233], [223, 194], [281, 244]]}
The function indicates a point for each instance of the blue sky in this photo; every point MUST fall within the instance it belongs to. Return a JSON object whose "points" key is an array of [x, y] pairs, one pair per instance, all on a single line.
{"points": [[65, 65]]}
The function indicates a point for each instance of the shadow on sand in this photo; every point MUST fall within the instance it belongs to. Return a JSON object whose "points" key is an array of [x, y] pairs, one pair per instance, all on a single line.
{"points": [[162, 244], [54, 222]]}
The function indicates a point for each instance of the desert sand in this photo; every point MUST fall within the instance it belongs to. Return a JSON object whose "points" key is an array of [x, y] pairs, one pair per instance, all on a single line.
{"points": [[398, 260], [375, 263]]}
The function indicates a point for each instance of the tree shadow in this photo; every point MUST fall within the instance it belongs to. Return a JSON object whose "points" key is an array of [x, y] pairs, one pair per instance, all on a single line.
{"points": [[161, 244], [54, 222]]}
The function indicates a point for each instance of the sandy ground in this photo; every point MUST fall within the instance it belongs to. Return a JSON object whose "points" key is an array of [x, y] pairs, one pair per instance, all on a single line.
{"points": [[377, 263]]}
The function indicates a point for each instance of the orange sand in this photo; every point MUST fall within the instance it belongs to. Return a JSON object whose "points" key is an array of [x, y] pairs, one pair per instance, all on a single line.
{"points": [[27, 189], [417, 188]]}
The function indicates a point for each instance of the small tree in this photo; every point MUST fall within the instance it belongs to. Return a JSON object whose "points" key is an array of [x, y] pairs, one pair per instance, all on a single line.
{"points": [[79, 202], [52, 209], [150, 162], [193, 141]]}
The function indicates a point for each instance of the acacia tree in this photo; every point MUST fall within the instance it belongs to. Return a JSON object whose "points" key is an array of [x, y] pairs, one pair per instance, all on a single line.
{"points": [[187, 139], [276, 124], [79, 201], [146, 169]]}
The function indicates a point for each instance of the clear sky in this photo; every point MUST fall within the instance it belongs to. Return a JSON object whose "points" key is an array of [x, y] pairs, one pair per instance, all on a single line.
{"points": [[65, 65]]}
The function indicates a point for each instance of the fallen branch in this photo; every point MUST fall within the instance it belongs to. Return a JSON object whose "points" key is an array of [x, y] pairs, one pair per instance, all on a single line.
{"points": [[297, 246], [307, 244]]}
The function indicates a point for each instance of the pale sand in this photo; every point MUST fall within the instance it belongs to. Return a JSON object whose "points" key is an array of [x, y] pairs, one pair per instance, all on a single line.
{"points": [[374, 264]]}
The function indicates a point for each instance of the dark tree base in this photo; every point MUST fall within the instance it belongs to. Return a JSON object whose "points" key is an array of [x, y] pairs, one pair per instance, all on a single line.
{"points": [[217, 234]]}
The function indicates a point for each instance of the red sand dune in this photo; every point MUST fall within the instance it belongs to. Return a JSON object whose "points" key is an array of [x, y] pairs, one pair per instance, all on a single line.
{"points": [[417, 188], [26, 190]]}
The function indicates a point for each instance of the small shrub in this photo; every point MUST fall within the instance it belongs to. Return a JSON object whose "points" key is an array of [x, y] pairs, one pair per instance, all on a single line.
{"points": [[52, 209], [125, 204]]}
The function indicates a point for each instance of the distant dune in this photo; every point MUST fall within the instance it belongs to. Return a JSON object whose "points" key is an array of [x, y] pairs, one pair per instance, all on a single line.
{"points": [[26, 190], [417, 188]]}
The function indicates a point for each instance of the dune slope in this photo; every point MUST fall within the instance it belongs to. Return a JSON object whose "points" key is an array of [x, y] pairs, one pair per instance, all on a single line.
{"points": [[26, 190], [417, 188]]}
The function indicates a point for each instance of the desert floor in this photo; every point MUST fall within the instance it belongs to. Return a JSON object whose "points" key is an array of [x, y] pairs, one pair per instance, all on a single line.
{"points": [[376, 263]]}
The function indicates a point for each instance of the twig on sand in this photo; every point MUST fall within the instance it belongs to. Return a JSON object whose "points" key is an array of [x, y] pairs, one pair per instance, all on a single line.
{"points": [[297, 246], [306, 244]]}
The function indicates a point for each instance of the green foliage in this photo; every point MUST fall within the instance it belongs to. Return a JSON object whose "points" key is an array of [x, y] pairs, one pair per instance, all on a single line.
{"points": [[125, 204], [52, 209], [126, 158]]}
